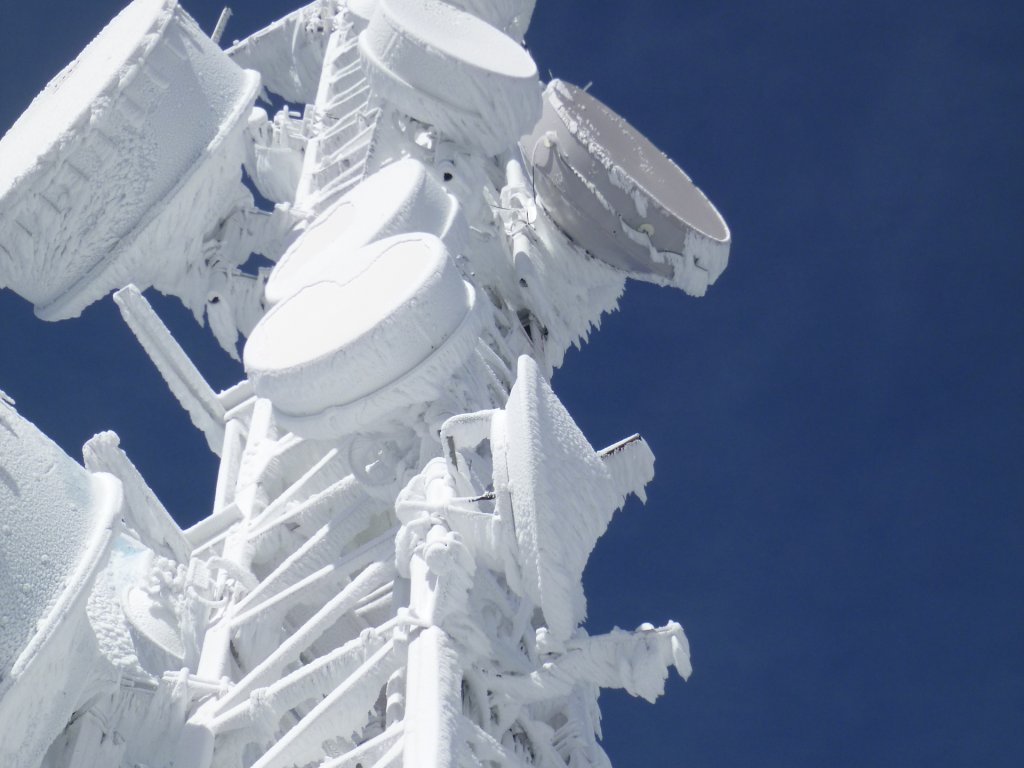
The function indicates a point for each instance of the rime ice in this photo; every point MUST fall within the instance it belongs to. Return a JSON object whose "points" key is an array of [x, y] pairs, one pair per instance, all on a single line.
{"points": [[391, 573]]}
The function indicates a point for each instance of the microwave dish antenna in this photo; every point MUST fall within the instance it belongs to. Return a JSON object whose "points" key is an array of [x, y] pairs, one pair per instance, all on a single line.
{"points": [[616, 194]]}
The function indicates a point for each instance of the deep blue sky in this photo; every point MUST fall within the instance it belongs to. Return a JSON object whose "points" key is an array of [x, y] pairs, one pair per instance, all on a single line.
{"points": [[838, 513]]}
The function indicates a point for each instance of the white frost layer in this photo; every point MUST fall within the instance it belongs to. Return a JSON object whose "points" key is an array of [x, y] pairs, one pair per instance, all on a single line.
{"points": [[275, 161], [511, 16], [401, 198], [67, 101], [56, 525], [448, 68], [143, 512], [434, 701], [294, 611], [127, 566], [361, 328], [630, 462], [180, 373], [73, 206], [288, 54], [563, 498]]}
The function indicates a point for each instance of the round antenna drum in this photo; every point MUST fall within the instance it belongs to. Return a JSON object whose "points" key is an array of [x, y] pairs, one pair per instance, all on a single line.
{"points": [[618, 196], [402, 197], [382, 330], [450, 69], [115, 140]]}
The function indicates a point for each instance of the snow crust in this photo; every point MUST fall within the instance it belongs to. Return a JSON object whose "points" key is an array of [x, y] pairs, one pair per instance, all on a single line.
{"points": [[510, 16], [401, 198], [361, 326], [56, 525], [66, 104], [164, 108], [562, 498]]}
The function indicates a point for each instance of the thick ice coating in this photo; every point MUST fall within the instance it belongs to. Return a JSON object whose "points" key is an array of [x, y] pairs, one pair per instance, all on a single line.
{"points": [[56, 523], [620, 197], [288, 54], [563, 497], [402, 197], [449, 68], [65, 104], [360, 327], [133, 125], [507, 15]]}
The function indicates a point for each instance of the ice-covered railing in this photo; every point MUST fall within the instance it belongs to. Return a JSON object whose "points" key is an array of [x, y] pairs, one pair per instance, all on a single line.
{"points": [[391, 570]]}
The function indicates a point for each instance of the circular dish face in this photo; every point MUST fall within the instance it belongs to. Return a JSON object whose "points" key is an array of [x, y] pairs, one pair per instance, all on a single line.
{"points": [[459, 36], [452, 70], [616, 193], [66, 100], [55, 523], [360, 327], [311, 253], [402, 197], [562, 497]]}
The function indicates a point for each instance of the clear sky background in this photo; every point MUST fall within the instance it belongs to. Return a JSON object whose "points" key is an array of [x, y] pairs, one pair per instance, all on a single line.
{"points": [[838, 513]]}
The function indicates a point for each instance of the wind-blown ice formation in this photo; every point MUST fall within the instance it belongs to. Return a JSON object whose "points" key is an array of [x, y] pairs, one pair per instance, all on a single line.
{"points": [[391, 573]]}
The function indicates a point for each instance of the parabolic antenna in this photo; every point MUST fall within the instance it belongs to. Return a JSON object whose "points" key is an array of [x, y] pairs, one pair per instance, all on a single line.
{"points": [[618, 196], [56, 527], [401, 198], [381, 331], [114, 141], [450, 69]]}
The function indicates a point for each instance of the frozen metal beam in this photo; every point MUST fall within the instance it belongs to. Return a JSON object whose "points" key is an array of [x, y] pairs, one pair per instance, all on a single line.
{"points": [[184, 379]]}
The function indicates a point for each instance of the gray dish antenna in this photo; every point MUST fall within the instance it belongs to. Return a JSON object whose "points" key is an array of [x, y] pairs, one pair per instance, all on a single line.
{"points": [[618, 196]]}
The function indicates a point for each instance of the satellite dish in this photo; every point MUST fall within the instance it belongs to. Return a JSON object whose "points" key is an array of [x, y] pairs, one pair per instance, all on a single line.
{"points": [[147, 120], [450, 69], [403, 197], [618, 196], [57, 524], [382, 330]]}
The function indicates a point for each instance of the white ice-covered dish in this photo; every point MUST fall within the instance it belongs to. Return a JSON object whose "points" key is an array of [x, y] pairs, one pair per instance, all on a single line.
{"points": [[402, 197], [145, 120], [449, 68], [56, 526], [382, 330]]}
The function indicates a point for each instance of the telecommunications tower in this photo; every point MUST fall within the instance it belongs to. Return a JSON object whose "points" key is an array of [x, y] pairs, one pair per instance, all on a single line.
{"points": [[390, 574]]}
